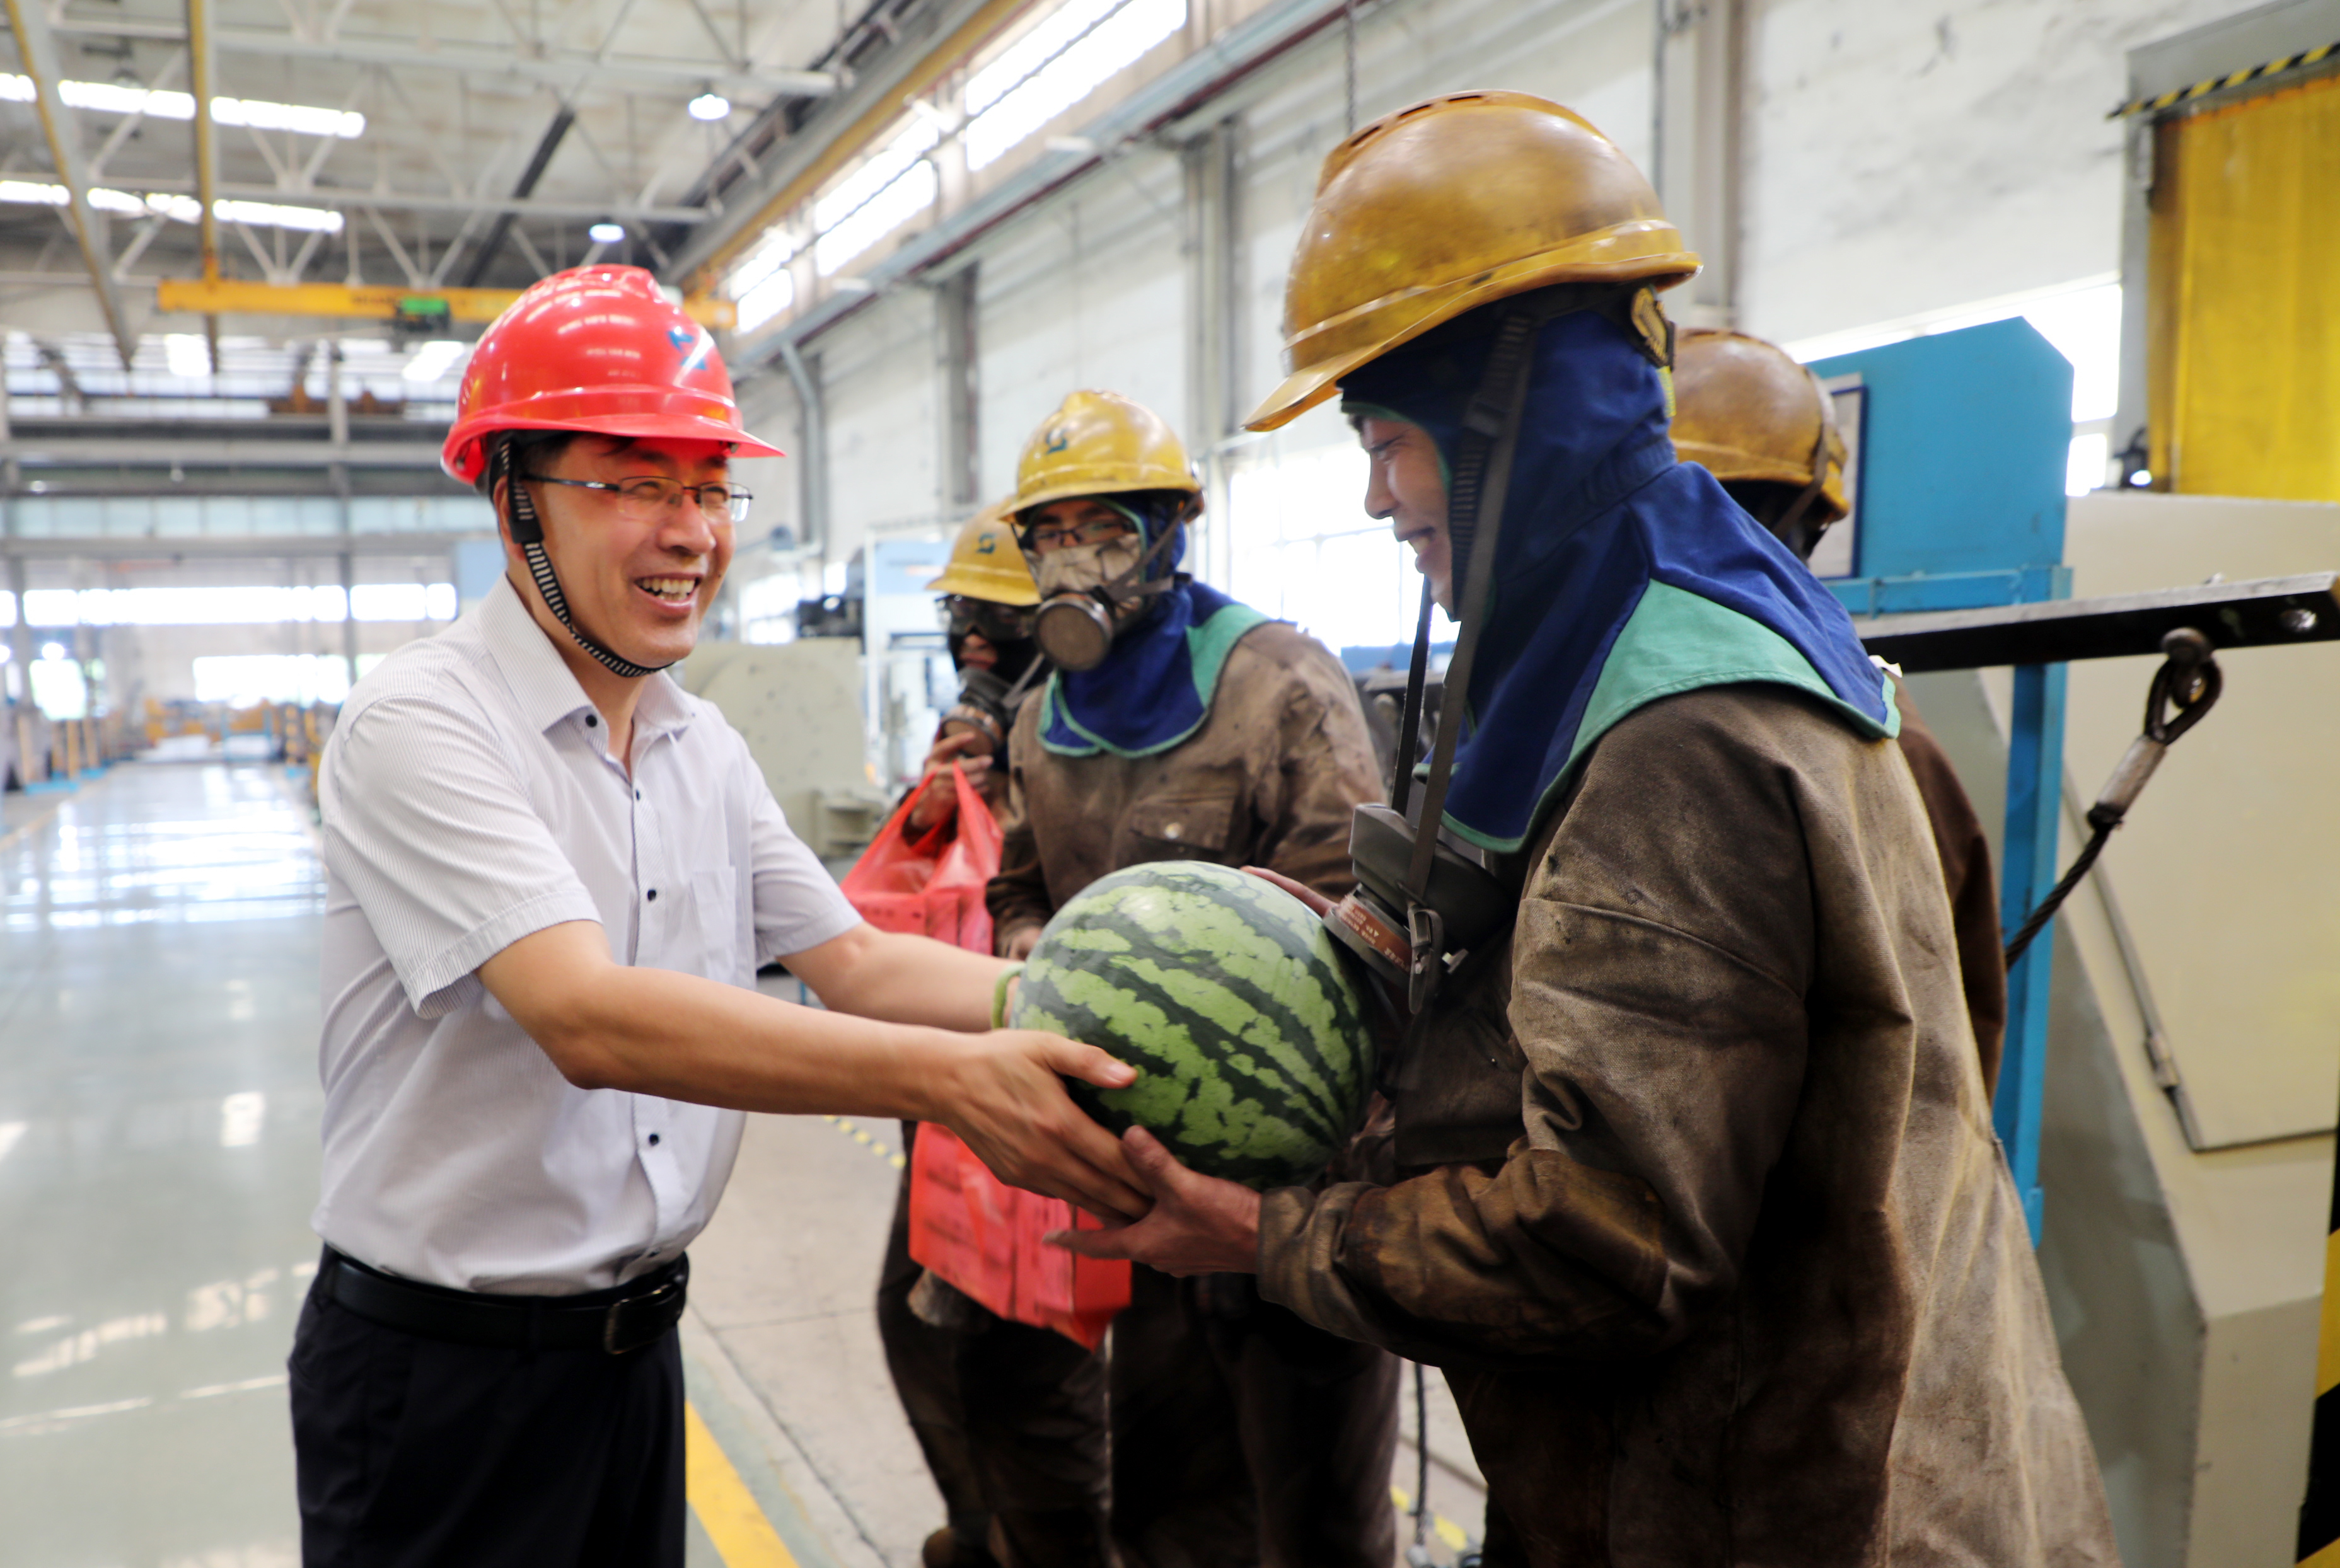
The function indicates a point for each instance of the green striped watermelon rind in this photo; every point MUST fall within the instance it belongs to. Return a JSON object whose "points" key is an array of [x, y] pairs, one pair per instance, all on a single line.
{"points": [[1231, 999]]}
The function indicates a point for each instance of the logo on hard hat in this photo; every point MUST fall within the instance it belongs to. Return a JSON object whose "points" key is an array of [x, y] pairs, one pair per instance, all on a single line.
{"points": [[681, 337], [988, 543], [1057, 440]]}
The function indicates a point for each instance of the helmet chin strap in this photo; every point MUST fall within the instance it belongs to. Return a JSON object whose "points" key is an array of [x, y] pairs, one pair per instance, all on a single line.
{"points": [[527, 532]]}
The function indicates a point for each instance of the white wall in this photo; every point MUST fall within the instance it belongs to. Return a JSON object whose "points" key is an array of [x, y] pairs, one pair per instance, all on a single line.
{"points": [[1904, 158]]}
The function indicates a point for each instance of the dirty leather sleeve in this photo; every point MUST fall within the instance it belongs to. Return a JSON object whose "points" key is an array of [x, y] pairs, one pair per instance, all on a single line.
{"points": [[1664, 945], [1974, 892], [1322, 767], [1017, 893]]}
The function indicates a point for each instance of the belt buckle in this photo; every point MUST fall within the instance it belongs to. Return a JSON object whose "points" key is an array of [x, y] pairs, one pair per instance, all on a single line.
{"points": [[618, 1333]]}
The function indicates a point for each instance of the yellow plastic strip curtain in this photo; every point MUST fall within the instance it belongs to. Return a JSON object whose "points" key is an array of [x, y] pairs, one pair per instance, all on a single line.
{"points": [[2244, 284]]}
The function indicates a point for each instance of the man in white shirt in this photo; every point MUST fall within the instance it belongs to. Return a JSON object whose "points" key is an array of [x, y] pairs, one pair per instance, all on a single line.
{"points": [[552, 878]]}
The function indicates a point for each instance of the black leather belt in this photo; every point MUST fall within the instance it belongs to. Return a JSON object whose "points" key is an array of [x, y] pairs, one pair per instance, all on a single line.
{"points": [[614, 1321]]}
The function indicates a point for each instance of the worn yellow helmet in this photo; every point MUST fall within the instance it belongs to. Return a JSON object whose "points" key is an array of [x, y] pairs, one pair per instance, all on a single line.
{"points": [[1744, 409], [1100, 444], [986, 562], [1450, 204]]}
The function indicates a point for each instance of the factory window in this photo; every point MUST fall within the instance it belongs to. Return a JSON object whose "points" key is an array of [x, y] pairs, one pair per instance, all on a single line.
{"points": [[2243, 345], [894, 184], [243, 679], [1304, 551], [763, 286], [220, 607], [1073, 51], [59, 689]]}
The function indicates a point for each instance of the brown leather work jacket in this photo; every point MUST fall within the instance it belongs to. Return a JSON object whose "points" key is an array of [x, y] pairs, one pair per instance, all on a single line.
{"points": [[1270, 779], [1691, 1185]]}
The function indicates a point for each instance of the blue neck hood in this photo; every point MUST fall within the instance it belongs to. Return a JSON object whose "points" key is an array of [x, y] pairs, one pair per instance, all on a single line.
{"points": [[1622, 577], [1154, 687]]}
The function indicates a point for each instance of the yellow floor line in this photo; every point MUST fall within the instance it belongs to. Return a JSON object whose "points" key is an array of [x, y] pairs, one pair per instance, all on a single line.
{"points": [[727, 1510], [1445, 1529]]}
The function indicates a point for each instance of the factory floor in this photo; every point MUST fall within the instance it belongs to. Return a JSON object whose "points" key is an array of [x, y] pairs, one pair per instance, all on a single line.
{"points": [[158, 1160]]}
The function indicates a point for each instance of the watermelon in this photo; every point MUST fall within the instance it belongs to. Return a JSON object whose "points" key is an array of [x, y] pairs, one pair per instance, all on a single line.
{"points": [[1233, 1002]]}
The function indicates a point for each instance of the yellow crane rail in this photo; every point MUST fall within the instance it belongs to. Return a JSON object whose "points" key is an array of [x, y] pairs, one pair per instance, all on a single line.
{"points": [[232, 296]]}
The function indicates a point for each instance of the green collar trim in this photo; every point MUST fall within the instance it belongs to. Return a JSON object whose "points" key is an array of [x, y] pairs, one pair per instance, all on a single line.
{"points": [[1207, 646], [1676, 641]]}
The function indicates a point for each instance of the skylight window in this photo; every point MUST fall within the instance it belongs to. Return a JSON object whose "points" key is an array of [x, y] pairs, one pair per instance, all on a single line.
{"points": [[1056, 65]]}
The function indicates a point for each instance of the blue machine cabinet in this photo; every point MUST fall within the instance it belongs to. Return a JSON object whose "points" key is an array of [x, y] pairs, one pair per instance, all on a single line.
{"points": [[1964, 441]]}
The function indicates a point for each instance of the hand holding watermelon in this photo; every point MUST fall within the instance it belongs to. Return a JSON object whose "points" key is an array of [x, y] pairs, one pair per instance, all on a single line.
{"points": [[1199, 1224], [1005, 1097], [1231, 999]]}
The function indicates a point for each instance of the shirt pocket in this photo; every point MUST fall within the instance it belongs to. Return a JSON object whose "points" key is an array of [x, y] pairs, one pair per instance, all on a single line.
{"points": [[726, 946], [1190, 826]]}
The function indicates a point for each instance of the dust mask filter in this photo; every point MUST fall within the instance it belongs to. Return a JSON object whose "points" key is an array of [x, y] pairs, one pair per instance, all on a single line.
{"points": [[1075, 625]]}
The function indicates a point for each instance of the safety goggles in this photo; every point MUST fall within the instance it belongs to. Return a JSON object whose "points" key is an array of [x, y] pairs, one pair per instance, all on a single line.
{"points": [[647, 498], [998, 622]]}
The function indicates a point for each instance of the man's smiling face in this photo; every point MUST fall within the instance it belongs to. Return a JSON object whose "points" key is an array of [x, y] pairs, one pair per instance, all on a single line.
{"points": [[638, 580], [1406, 485]]}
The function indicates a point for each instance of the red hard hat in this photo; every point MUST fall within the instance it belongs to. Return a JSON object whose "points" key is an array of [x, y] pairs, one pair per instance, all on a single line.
{"points": [[595, 349]]}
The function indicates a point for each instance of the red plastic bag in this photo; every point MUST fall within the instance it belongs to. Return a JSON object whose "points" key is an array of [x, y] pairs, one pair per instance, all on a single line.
{"points": [[933, 886], [984, 1237]]}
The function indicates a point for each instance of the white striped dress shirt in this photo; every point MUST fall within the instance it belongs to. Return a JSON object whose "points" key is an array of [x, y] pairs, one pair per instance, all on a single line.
{"points": [[469, 798]]}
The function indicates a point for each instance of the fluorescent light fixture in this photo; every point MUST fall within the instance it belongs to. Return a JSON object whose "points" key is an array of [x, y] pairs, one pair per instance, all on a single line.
{"points": [[710, 106], [606, 234], [51, 651], [185, 354], [1056, 64], [177, 208], [322, 220], [115, 98], [433, 360]]}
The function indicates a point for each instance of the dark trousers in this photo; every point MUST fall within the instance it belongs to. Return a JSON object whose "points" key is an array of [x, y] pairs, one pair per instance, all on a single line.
{"points": [[413, 1453], [1010, 1418], [1242, 1435]]}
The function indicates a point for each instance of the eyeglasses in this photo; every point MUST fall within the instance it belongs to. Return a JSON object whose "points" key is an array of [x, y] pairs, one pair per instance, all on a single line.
{"points": [[1101, 530], [998, 622], [643, 499]]}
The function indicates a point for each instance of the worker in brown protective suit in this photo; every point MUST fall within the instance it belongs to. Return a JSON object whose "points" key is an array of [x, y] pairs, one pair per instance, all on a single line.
{"points": [[1691, 1186], [1182, 726], [1760, 422], [949, 1367]]}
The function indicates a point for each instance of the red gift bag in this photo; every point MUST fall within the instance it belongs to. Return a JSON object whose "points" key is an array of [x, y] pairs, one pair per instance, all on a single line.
{"points": [[968, 1226], [984, 1237], [934, 886]]}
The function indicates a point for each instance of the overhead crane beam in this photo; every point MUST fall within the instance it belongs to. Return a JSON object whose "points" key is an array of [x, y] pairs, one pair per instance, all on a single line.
{"points": [[564, 68], [37, 51], [232, 296]]}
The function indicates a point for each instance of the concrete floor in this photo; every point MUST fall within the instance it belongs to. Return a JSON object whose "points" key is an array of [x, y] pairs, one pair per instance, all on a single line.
{"points": [[158, 1161]]}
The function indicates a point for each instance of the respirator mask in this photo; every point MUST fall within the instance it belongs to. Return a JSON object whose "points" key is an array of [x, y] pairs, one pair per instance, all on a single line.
{"points": [[1420, 907], [988, 698], [1086, 588]]}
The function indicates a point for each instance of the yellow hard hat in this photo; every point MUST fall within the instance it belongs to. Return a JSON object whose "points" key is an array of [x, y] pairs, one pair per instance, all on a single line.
{"points": [[1744, 409], [986, 562], [1100, 444], [1450, 204]]}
